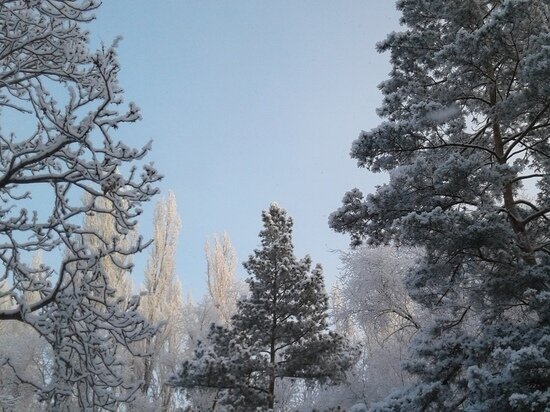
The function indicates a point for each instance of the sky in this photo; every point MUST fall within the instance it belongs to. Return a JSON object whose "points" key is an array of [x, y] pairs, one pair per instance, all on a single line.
{"points": [[250, 102]]}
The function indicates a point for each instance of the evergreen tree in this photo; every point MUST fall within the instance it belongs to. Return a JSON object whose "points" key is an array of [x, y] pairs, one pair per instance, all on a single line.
{"points": [[279, 331], [467, 121]]}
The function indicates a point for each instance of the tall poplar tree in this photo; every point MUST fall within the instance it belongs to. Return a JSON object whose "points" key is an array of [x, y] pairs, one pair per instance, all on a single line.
{"points": [[465, 141], [279, 332], [221, 263], [162, 304], [101, 228]]}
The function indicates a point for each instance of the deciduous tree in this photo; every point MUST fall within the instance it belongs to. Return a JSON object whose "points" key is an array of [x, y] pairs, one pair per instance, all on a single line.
{"points": [[102, 229], [381, 317], [162, 304], [221, 264], [60, 104]]}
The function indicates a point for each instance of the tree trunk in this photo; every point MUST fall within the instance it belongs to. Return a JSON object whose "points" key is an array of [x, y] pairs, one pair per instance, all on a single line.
{"points": [[508, 194], [147, 373], [271, 403]]}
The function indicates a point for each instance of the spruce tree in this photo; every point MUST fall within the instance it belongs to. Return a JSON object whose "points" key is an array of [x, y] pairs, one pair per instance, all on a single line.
{"points": [[467, 117], [279, 331]]}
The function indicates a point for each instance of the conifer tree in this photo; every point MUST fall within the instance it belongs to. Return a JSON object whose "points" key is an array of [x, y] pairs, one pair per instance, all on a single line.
{"points": [[280, 331], [467, 117]]}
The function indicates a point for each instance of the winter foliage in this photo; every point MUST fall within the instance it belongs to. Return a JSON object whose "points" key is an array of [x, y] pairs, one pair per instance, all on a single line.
{"points": [[467, 119], [162, 304], [373, 307], [221, 265], [279, 332], [69, 99], [442, 304]]}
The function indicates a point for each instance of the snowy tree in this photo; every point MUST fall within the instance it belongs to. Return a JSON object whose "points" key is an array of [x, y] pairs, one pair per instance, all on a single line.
{"points": [[102, 229], [467, 121], [216, 307], [220, 303], [371, 307], [373, 297], [221, 264], [381, 315], [24, 354], [279, 332], [198, 317], [59, 104], [162, 303]]}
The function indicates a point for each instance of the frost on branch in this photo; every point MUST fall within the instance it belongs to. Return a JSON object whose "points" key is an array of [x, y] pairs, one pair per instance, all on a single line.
{"points": [[162, 303], [466, 120], [280, 332], [59, 106]]}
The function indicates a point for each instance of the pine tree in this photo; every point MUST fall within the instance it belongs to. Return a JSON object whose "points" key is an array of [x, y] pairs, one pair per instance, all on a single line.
{"points": [[280, 331], [467, 122]]}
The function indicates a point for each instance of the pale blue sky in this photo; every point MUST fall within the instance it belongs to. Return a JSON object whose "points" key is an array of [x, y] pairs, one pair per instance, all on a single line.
{"points": [[250, 102]]}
